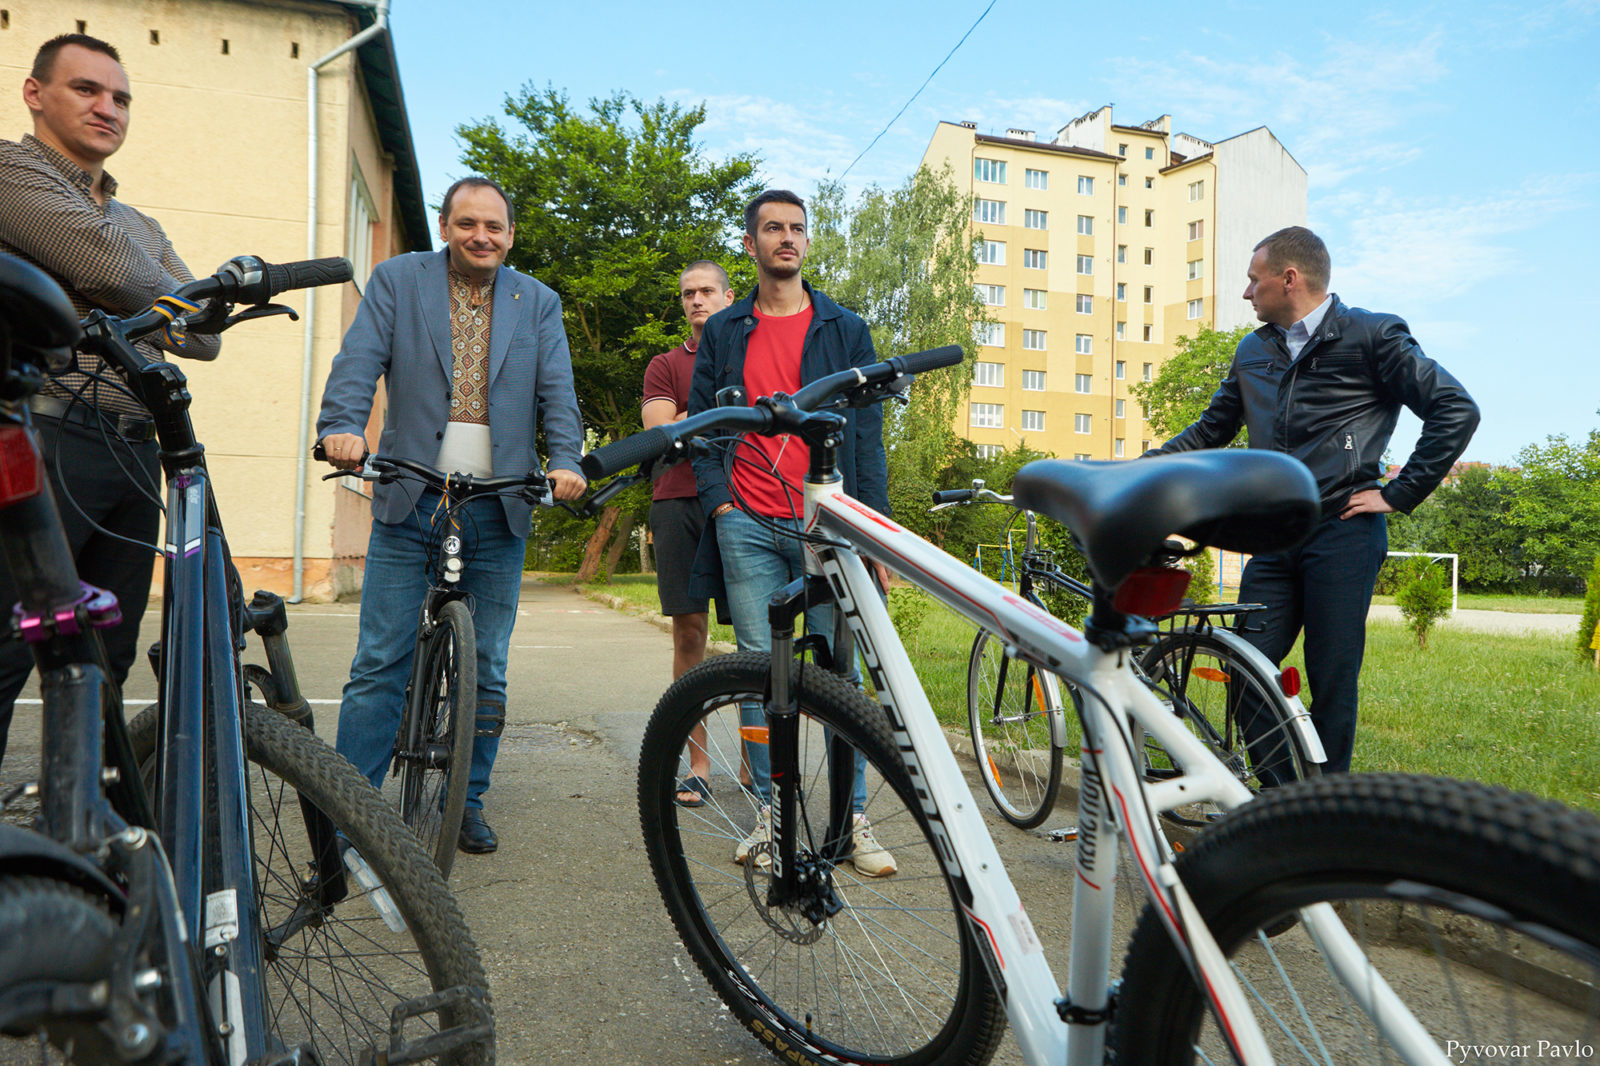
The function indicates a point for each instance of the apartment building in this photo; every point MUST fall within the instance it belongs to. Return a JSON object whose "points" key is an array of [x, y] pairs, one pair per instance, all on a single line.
{"points": [[1099, 249]]}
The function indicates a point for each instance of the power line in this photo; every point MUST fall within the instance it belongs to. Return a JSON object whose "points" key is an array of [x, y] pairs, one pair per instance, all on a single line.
{"points": [[918, 93]]}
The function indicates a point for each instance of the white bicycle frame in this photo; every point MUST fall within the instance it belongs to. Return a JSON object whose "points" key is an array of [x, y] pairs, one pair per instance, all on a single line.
{"points": [[1114, 800]]}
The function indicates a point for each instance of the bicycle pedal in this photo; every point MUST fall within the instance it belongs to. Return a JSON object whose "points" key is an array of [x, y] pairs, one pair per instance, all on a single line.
{"points": [[478, 1027], [1066, 834]]}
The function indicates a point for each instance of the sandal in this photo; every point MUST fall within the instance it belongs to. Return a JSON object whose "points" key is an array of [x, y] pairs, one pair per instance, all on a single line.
{"points": [[699, 786]]}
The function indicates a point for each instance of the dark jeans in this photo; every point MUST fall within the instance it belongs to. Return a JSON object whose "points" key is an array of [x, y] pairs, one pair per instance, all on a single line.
{"points": [[1324, 586], [101, 479]]}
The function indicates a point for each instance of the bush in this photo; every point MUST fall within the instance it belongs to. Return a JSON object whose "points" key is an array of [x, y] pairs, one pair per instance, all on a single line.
{"points": [[1423, 596], [1591, 614], [1203, 576]]}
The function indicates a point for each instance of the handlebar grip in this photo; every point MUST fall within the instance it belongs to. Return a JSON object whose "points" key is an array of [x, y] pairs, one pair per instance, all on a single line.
{"points": [[627, 452], [932, 359], [952, 495], [307, 274]]}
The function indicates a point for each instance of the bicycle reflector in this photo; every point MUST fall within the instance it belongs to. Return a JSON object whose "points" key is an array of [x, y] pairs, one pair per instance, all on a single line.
{"points": [[1289, 681], [1152, 590], [21, 468]]}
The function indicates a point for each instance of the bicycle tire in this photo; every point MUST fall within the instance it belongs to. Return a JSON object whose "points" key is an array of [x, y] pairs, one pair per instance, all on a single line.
{"points": [[894, 976], [1220, 693], [52, 931], [1428, 874], [437, 734], [334, 980], [1015, 727]]}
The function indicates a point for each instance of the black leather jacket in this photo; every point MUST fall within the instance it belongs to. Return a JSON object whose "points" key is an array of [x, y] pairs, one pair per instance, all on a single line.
{"points": [[1335, 407]]}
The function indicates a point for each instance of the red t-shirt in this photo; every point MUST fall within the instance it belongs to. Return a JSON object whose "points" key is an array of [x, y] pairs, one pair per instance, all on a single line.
{"points": [[772, 364], [667, 378]]}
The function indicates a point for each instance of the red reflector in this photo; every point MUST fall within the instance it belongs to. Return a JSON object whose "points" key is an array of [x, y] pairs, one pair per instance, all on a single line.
{"points": [[1152, 590], [1289, 681], [21, 469]]}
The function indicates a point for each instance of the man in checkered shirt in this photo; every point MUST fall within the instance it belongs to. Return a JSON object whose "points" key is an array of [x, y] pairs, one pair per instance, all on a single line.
{"points": [[58, 210]]}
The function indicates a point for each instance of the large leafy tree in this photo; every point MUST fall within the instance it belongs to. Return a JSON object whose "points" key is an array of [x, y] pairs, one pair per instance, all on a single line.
{"points": [[1554, 495], [1468, 515], [1184, 385], [612, 202], [903, 260]]}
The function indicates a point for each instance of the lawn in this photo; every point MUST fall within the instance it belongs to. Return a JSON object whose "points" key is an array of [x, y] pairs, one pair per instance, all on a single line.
{"points": [[1513, 710]]}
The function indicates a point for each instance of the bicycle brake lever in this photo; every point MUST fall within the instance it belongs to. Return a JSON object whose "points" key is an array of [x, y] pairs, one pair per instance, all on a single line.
{"points": [[258, 311]]}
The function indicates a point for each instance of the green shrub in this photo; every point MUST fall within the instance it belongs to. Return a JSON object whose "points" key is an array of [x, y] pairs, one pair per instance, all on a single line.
{"points": [[1203, 576], [908, 607], [1423, 596], [1591, 614]]}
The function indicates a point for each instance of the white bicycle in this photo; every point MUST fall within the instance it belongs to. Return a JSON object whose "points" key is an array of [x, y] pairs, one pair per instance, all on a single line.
{"points": [[1479, 903]]}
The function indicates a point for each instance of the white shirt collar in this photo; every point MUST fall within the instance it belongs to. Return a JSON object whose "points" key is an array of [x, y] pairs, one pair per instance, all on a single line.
{"points": [[1299, 334]]}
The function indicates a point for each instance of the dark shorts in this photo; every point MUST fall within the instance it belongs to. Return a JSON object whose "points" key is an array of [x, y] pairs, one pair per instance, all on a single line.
{"points": [[676, 525]]}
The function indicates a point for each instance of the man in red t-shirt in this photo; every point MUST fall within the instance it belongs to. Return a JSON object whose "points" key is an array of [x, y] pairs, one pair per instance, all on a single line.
{"points": [[676, 519]]}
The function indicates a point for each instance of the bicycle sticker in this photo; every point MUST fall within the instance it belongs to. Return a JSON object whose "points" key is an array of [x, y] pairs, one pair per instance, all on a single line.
{"points": [[1027, 939], [222, 917]]}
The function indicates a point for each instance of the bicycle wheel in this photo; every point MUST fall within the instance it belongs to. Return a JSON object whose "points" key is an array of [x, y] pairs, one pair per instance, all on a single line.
{"points": [[1475, 904], [336, 969], [53, 931], [893, 976], [435, 754], [1237, 711], [1017, 736]]}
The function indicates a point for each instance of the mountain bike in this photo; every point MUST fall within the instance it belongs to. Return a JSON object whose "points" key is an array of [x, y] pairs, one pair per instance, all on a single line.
{"points": [[1229, 695], [212, 884], [439, 722], [1478, 901]]}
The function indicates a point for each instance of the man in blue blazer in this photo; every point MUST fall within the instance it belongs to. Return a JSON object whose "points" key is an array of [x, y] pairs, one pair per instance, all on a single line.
{"points": [[473, 354]]}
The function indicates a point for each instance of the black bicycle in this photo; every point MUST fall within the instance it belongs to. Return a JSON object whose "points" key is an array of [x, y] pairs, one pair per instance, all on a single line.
{"points": [[1243, 709], [439, 723], [211, 884]]}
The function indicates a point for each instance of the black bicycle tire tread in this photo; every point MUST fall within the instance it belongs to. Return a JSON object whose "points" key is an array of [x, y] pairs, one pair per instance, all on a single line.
{"points": [[54, 930], [453, 617], [1052, 789], [985, 1023], [307, 764], [1545, 857]]}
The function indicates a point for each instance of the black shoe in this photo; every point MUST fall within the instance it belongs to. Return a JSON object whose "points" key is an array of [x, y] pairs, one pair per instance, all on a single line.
{"points": [[476, 836]]}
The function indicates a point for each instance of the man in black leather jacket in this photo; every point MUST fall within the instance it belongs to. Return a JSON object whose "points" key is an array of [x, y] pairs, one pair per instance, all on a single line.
{"points": [[1324, 382]]}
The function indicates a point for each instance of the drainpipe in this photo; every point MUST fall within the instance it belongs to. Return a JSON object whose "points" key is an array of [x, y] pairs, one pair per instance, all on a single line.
{"points": [[302, 467]]}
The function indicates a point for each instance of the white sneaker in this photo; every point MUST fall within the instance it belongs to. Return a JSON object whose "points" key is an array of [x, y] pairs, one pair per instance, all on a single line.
{"points": [[871, 858], [761, 834]]}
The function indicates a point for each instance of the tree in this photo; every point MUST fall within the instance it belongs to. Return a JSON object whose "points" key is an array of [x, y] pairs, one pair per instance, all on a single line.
{"points": [[1554, 494], [1184, 385], [903, 260], [1587, 631], [1468, 515], [1423, 596]]}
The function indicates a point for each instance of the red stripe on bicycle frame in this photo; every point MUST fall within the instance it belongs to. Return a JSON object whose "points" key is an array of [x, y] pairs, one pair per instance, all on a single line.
{"points": [[1001, 959]]}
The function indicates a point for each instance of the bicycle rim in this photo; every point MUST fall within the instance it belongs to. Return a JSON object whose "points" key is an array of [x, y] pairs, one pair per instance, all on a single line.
{"points": [[1017, 736], [437, 757]]}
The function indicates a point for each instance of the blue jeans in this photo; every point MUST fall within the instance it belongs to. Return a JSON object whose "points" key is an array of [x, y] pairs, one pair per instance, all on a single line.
{"points": [[756, 563], [391, 599]]}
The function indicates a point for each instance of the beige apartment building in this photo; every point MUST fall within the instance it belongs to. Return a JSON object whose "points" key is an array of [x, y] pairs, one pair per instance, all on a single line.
{"points": [[1100, 248], [223, 151]]}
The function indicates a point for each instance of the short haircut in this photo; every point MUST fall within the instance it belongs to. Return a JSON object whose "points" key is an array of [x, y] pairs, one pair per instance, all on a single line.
{"points": [[771, 196], [1298, 247], [706, 264], [476, 181], [44, 61]]}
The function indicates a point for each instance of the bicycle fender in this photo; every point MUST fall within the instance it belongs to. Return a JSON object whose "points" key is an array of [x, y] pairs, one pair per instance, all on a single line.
{"points": [[26, 853], [1300, 719]]}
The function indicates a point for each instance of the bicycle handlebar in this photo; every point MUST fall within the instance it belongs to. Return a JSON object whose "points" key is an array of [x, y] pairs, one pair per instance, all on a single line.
{"points": [[387, 468], [245, 279], [859, 386]]}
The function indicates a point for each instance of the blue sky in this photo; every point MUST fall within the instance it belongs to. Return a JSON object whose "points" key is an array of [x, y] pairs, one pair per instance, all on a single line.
{"points": [[1450, 148]]}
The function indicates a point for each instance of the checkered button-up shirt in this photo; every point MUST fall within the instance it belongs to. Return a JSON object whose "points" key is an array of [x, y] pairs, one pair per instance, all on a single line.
{"points": [[110, 256]]}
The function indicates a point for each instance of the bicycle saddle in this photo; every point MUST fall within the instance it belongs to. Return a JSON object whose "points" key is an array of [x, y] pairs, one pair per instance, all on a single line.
{"points": [[41, 321], [1119, 513]]}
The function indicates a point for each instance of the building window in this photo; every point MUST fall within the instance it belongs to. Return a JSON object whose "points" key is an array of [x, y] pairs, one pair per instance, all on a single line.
{"points": [[988, 451], [1034, 258], [1150, 217], [1197, 230], [1082, 383], [1086, 264], [1197, 190], [991, 375], [1144, 411], [988, 415], [1033, 381], [1122, 179], [1036, 179], [1122, 149], [991, 211], [1120, 408], [1081, 424], [1122, 253], [1144, 446], [992, 252], [1082, 457], [1035, 219], [1149, 183], [1122, 216], [1122, 292], [1149, 294], [1033, 299], [358, 241], [1147, 337], [1122, 369], [1033, 420], [1116, 448], [1196, 269], [1085, 304], [991, 334], [1122, 331], [1148, 366], [1083, 344], [1149, 257], [1086, 225], [1196, 308], [1085, 185], [1033, 340], [1149, 153], [992, 171], [993, 295]]}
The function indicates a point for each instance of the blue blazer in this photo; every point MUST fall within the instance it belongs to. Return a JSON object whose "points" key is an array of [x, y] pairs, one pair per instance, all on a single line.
{"points": [[402, 333]]}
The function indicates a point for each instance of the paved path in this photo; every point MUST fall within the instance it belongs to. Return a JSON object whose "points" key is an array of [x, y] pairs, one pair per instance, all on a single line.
{"points": [[1492, 621]]}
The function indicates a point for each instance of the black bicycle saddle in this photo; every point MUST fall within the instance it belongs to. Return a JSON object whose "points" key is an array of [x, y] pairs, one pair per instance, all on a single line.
{"points": [[1235, 499], [39, 317]]}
